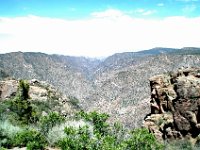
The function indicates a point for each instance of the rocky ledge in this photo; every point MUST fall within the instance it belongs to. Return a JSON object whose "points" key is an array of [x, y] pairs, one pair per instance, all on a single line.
{"points": [[175, 105], [39, 91]]}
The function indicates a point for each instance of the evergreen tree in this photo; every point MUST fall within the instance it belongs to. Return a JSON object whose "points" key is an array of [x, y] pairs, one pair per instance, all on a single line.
{"points": [[21, 105]]}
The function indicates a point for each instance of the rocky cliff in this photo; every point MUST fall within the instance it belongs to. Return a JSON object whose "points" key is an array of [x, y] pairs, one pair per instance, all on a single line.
{"points": [[175, 105], [39, 92]]}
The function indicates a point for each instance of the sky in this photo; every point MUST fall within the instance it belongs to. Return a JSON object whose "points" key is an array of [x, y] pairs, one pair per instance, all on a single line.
{"points": [[97, 28]]}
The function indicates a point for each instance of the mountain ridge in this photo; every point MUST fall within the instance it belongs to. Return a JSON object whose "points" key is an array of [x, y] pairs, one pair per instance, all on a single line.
{"points": [[116, 85]]}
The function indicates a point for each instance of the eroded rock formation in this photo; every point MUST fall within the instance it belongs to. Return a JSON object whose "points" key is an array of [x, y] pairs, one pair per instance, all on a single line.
{"points": [[175, 105]]}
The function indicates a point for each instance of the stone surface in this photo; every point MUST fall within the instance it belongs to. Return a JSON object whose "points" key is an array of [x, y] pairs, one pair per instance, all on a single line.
{"points": [[8, 89], [175, 105]]}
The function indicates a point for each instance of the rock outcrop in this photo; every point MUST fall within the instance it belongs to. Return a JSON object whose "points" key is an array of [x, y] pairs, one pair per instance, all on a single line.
{"points": [[39, 91], [175, 105]]}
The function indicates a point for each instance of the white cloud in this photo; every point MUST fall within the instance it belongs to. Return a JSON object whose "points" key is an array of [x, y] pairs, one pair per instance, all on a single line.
{"points": [[144, 12], [108, 13], [149, 12], [103, 34]]}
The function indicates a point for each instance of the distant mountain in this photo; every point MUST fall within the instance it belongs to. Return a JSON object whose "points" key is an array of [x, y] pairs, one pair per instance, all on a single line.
{"points": [[117, 85], [156, 51]]}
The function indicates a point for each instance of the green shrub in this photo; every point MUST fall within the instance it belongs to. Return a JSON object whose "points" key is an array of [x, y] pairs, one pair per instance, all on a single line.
{"points": [[84, 137], [68, 144], [109, 142], [105, 137], [35, 146], [70, 141], [92, 134], [100, 138], [5, 112], [48, 122], [31, 139], [41, 106], [98, 120], [77, 139], [142, 139]]}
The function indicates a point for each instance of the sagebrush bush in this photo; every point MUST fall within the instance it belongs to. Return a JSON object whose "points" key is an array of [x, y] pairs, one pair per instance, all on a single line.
{"points": [[105, 137], [57, 132], [7, 133], [4, 139]]}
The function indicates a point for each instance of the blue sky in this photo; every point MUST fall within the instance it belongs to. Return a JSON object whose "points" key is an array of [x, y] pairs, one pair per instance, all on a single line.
{"points": [[97, 28], [77, 9]]}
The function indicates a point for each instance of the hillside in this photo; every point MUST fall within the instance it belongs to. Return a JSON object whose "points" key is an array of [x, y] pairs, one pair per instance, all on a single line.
{"points": [[69, 74], [114, 85]]}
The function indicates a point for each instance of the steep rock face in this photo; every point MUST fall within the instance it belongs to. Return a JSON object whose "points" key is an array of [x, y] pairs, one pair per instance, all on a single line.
{"points": [[175, 105]]}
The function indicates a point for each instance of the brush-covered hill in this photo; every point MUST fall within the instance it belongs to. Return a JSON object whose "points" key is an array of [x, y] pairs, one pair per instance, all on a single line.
{"points": [[117, 85]]}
